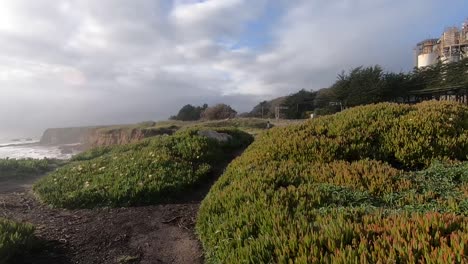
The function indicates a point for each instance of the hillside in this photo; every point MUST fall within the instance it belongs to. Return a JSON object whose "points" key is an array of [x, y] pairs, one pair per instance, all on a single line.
{"points": [[376, 183], [155, 170], [361, 186], [101, 136]]}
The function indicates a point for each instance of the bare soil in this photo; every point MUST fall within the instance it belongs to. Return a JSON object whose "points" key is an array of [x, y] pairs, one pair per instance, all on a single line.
{"points": [[148, 234]]}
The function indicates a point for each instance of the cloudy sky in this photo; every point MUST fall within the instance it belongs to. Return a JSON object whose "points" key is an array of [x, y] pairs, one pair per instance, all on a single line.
{"points": [[86, 62]]}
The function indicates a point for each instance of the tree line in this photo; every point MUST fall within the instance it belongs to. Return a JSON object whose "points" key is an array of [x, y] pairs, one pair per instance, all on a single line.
{"points": [[193, 113], [359, 86], [364, 85]]}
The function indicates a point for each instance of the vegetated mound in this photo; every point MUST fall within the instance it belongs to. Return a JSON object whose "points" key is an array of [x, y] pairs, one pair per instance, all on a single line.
{"points": [[355, 187], [15, 239], [155, 170]]}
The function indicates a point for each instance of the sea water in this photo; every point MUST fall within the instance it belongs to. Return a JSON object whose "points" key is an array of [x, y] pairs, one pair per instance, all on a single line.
{"points": [[22, 148]]}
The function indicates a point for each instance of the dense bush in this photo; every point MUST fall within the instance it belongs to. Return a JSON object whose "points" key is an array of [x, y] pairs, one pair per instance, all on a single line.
{"points": [[154, 170], [15, 239], [218, 112], [24, 167], [189, 113], [346, 189]]}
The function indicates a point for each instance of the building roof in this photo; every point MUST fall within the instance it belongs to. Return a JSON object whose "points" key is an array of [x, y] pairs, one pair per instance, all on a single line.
{"points": [[433, 40]]}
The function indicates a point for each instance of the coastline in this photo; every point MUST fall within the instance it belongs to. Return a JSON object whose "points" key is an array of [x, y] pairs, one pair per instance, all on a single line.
{"points": [[35, 150]]}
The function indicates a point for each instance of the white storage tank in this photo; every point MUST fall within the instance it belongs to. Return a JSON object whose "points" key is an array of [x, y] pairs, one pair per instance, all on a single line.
{"points": [[427, 59]]}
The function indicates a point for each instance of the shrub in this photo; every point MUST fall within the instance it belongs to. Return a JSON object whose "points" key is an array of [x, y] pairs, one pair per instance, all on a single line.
{"points": [[340, 189], [152, 171], [189, 113], [217, 112], [431, 130], [375, 132], [15, 239]]}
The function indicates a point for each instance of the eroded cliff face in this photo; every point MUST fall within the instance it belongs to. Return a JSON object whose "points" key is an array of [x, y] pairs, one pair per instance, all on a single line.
{"points": [[99, 138], [63, 136], [104, 137], [90, 137]]}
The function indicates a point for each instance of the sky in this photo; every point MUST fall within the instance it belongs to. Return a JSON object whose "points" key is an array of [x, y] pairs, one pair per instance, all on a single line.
{"points": [[86, 62]]}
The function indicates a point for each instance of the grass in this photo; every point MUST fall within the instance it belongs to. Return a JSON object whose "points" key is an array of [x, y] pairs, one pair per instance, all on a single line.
{"points": [[15, 239], [361, 186], [158, 169], [14, 168]]}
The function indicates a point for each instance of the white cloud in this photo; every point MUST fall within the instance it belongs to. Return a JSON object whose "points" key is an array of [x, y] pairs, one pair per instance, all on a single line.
{"points": [[214, 17], [79, 62]]}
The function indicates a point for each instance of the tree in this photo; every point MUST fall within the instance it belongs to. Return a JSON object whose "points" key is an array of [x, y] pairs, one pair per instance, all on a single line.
{"points": [[360, 86], [217, 112], [325, 102], [395, 85], [298, 104], [189, 113]]}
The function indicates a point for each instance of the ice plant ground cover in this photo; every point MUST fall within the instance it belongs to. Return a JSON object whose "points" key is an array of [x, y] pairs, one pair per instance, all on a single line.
{"points": [[12, 168], [384, 183], [15, 239], [152, 171]]}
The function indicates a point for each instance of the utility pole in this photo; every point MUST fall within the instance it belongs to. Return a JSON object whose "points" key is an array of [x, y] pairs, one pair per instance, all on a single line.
{"points": [[277, 111]]}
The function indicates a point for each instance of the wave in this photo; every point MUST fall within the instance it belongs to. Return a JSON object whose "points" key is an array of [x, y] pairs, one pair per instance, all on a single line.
{"points": [[19, 143], [37, 151]]}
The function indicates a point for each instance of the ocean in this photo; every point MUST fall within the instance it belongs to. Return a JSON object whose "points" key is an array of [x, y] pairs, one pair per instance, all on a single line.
{"points": [[30, 148]]}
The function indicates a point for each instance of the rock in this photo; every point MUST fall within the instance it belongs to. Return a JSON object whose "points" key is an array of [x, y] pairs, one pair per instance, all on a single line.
{"points": [[220, 137], [61, 136]]}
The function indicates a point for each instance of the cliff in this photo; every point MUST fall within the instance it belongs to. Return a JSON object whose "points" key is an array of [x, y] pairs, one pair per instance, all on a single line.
{"points": [[62, 136], [124, 135], [103, 136]]}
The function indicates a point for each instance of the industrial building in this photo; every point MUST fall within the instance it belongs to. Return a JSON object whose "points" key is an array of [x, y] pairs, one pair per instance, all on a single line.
{"points": [[452, 46]]}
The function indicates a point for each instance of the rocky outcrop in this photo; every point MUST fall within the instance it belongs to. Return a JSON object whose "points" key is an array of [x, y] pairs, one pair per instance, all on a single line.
{"points": [[62, 136], [220, 137]]}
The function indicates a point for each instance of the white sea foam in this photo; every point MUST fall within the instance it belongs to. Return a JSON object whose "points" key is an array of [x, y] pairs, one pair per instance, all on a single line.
{"points": [[34, 151], [16, 143]]}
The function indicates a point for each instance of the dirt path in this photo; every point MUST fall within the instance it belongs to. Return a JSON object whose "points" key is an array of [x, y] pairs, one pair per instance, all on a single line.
{"points": [[150, 234], [17, 185]]}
